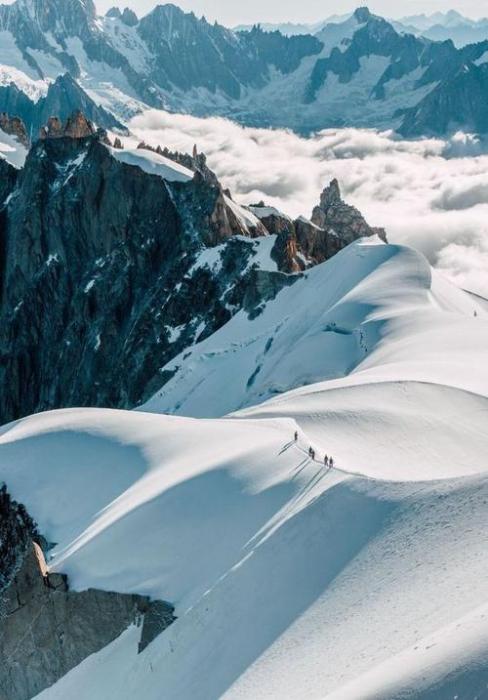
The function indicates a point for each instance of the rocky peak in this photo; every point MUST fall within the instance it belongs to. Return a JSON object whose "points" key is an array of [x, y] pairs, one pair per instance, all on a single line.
{"points": [[303, 243], [129, 17], [343, 219], [14, 126], [52, 130], [114, 12], [331, 195], [163, 17], [77, 126], [362, 15]]}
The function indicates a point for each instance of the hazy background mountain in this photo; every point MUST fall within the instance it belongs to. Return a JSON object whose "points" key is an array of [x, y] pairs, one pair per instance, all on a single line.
{"points": [[438, 26]]}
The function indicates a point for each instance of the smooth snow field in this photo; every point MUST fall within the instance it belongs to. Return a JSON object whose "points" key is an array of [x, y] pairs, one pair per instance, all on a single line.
{"points": [[290, 581]]}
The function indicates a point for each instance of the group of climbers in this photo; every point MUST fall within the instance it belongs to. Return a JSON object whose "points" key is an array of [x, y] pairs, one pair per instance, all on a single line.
{"points": [[328, 461]]}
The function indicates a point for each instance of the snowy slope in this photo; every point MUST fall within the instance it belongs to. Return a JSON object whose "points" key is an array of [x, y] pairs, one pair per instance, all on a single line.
{"points": [[316, 578], [153, 163], [375, 312], [289, 581]]}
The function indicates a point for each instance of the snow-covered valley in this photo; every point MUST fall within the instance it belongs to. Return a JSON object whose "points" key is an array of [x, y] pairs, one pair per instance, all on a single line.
{"points": [[290, 580]]}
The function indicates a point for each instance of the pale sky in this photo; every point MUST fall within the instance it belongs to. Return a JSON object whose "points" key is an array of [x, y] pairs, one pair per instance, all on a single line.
{"points": [[232, 12]]}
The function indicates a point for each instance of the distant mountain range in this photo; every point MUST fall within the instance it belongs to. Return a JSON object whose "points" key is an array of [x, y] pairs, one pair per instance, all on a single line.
{"points": [[442, 26], [359, 70], [439, 26]]}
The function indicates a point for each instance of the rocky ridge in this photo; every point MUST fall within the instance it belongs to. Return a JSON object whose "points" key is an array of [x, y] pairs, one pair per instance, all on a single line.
{"points": [[305, 242], [108, 272]]}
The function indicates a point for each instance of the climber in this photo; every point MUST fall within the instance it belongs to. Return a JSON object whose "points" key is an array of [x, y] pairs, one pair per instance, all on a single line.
{"points": [[326, 461], [331, 463], [296, 435]]}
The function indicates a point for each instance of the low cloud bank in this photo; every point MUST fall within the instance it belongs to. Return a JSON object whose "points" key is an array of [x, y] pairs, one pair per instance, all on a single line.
{"points": [[431, 194]]}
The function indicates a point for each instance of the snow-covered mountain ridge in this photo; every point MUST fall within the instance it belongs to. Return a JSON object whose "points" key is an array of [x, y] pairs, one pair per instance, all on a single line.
{"points": [[266, 472], [131, 254], [357, 71], [344, 583]]}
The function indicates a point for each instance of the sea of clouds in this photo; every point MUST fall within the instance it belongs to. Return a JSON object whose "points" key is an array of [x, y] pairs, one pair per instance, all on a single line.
{"points": [[431, 194]]}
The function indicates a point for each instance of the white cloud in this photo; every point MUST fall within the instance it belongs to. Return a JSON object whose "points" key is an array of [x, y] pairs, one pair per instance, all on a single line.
{"points": [[430, 193]]}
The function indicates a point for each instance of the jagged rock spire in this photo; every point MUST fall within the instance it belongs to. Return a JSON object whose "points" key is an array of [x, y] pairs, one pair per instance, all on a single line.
{"points": [[14, 127], [331, 195], [343, 219], [77, 126]]}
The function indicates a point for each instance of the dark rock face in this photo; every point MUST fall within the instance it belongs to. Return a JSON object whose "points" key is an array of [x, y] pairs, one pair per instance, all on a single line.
{"points": [[129, 17], [46, 629], [317, 243], [218, 59], [16, 531], [457, 102], [99, 289], [8, 178]]}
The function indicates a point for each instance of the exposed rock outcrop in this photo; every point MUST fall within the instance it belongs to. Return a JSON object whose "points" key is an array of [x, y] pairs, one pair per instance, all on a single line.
{"points": [[46, 629], [14, 126], [456, 102], [301, 243], [344, 220], [77, 126]]}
